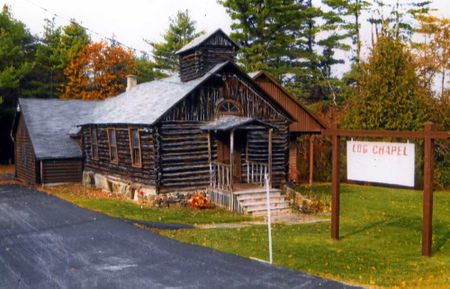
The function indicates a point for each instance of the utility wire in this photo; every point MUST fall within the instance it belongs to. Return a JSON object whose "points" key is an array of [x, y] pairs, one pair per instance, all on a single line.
{"points": [[72, 20]]}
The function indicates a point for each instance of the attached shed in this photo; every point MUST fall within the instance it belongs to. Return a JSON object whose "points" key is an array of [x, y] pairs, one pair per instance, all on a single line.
{"points": [[47, 144], [304, 121]]}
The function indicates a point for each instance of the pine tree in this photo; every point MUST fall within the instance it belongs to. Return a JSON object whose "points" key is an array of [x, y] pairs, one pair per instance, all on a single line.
{"points": [[401, 17], [388, 94], [346, 16], [181, 31], [48, 68], [278, 36], [146, 69], [74, 38], [16, 52]]}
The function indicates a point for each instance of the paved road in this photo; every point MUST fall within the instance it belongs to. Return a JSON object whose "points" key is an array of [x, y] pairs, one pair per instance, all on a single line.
{"points": [[46, 242]]}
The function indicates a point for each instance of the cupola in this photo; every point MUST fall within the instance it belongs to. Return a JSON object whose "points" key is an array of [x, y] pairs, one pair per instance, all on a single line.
{"points": [[204, 52]]}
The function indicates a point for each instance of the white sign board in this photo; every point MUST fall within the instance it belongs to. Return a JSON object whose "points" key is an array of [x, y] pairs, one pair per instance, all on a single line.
{"points": [[381, 162]]}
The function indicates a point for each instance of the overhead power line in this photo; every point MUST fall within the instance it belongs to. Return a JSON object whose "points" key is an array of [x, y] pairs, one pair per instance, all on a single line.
{"points": [[111, 40]]}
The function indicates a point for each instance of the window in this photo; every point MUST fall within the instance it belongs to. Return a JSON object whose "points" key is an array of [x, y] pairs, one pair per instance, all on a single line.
{"points": [[229, 107], [112, 140], [94, 143], [135, 147]]}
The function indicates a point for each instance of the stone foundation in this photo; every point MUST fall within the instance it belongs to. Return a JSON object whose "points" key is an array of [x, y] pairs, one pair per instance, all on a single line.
{"points": [[116, 185], [135, 191]]}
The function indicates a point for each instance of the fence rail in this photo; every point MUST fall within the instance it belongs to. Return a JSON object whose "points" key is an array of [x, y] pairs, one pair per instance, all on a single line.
{"points": [[220, 176], [256, 172]]}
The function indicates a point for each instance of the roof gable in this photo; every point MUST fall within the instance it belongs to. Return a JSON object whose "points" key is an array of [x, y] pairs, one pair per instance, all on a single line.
{"points": [[294, 107], [213, 38]]}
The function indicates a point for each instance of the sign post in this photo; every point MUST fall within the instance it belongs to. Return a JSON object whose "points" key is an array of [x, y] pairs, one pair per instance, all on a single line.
{"points": [[428, 135]]}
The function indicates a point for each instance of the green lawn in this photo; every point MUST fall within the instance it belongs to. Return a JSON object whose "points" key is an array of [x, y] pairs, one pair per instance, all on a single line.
{"points": [[98, 202], [380, 242]]}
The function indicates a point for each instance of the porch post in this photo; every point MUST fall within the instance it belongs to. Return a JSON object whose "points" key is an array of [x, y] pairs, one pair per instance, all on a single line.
{"points": [[311, 159], [209, 160], [231, 157], [270, 157]]}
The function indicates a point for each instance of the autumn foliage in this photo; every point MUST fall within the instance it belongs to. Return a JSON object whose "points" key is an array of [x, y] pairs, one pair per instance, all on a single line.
{"points": [[99, 71], [199, 201]]}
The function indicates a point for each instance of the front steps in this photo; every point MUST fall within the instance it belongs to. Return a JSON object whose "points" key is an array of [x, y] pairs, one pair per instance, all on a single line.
{"points": [[253, 202]]}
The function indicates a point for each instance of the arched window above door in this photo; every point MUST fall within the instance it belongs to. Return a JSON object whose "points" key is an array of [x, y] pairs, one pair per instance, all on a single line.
{"points": [[229, 107]]}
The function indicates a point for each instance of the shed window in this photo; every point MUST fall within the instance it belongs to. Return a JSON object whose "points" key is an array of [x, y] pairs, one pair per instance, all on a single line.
{"points": [[135, 147], [94, 143], [112, 140]]}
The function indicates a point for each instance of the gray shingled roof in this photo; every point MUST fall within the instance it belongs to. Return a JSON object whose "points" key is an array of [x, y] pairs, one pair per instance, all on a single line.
{"points": [[146, 102], [49, 122], [228, 122], [199, 40]]}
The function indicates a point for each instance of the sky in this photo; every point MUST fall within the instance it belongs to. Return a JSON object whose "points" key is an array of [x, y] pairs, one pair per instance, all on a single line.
{"points": [[132, 21]]}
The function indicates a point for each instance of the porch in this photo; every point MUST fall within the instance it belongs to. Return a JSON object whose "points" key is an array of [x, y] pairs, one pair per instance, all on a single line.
{"points": [[237, 181]]}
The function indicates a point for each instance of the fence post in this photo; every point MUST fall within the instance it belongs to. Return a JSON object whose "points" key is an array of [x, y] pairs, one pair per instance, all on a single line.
{"points": [[335, 198], [427, 231]]}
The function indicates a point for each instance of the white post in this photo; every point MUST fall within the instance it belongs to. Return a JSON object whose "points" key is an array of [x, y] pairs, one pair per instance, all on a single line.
{"points": [[269, 222]]}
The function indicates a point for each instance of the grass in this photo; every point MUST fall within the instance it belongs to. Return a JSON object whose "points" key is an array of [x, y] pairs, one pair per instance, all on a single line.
{"points": [[380, 242], [115, 206]]}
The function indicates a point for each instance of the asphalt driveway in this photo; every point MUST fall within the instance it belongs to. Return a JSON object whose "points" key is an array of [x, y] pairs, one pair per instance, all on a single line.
{"points": [[46, 242]]}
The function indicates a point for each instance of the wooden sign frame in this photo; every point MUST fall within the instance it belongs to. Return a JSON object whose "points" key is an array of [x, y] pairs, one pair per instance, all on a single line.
{"points": [[428, 135]]}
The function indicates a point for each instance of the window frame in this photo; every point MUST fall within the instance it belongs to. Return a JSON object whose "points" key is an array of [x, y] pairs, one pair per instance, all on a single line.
{"points": [[132, 147], [94, 153], [116, 160], [239, 111]]}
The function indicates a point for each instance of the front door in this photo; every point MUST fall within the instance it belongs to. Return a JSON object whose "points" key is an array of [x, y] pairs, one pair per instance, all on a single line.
{"points": [[223, 152]]}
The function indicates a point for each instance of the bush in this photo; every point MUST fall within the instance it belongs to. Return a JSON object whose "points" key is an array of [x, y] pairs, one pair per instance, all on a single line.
{"points": [[199, 201]]}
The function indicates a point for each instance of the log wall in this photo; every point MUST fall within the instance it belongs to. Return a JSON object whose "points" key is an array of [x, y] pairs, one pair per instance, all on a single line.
{"points": [[184, 146], [123, 169], [196, 62], [61, 171]]}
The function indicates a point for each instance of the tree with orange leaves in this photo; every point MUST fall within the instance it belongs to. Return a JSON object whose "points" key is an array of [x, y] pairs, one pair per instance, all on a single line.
{"points": [[433, 53], [98, 71]]}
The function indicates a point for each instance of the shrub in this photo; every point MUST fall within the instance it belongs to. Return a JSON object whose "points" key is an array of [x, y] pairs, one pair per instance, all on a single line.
{"points": [[199, 201]]}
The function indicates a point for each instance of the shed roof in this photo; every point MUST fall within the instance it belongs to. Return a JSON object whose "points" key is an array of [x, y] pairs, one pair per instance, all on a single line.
{"points": [[202, 38], [49, 123]]}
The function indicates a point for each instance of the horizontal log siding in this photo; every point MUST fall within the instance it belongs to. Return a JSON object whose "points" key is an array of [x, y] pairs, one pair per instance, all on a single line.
{"points": [[183, 156], [61, 171], [185, 118], [123, 169], [196, 62], [27, 171]]}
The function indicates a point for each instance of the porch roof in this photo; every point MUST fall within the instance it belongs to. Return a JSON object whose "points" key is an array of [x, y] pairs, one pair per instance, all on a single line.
{"points": [[228, 122]]}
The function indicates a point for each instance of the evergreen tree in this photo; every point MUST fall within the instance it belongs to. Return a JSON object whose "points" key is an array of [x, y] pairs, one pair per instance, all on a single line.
{"points": [[16, 53], [48, 66], [146, 69], [346, 15], [278, 36], [401, 17], [74, 37], [388, 94], [181, 31]]}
